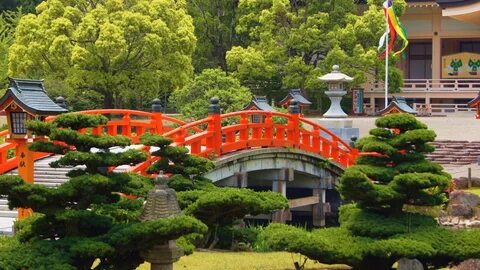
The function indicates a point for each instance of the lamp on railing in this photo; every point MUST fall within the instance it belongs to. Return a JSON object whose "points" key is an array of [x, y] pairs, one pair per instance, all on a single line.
{"points": [[336, 90]]}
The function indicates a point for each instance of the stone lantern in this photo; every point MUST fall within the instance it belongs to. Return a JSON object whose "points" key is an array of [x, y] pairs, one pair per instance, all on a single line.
{"points": [[26, 100], [336, 90], [161, 203]]}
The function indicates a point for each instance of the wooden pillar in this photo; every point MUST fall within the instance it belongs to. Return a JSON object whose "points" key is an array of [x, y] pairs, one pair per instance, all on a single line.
{"points": [[25, 169], [436, 45], [215, 126], [318, 213]]}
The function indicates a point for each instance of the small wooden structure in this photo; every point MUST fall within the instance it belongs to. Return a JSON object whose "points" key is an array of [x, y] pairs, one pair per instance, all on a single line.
{"points": [[398, 105], [295, 94], [259, 103], [26, 100], [475, 103]]}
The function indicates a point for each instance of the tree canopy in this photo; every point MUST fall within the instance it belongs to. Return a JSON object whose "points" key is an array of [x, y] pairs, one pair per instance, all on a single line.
{"points": [[298, 41], [193, 100], [128, 52]]}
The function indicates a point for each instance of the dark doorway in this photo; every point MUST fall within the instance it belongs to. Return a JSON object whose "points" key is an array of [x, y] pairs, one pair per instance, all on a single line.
{"points": [[420, 61]]}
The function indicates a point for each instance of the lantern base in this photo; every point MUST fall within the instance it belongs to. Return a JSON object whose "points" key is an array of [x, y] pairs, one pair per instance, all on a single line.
{"points": [[335, 110]]}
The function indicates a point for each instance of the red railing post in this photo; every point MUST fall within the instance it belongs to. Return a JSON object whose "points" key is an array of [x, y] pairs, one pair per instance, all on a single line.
{"points": [[157, 120], [268, 127], [215, 126], [293, 134], [126, 128]]}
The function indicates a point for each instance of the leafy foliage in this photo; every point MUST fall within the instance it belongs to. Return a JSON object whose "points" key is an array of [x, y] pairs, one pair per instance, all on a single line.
{"points": [[402, 175], [193, 100], [128, 52], [86, 218], [294, 42]]}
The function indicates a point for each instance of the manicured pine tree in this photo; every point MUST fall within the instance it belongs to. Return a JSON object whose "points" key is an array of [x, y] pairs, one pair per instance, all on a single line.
{"points": [[400, 174], [86, 219]]}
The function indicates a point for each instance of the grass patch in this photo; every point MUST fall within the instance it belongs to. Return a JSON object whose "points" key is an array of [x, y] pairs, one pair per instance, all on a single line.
{"points": [[474, 190], [206, 260]]}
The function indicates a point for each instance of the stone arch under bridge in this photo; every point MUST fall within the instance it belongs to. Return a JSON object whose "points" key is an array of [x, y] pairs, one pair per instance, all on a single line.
{"points": [[306, 179]]}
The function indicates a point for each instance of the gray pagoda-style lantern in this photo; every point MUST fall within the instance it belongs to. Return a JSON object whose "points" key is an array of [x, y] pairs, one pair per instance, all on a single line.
{"points": [[161, 203], [336, 91]]}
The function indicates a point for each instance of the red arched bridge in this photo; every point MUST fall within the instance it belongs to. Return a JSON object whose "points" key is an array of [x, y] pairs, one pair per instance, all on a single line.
{"points": [[216, 135]]}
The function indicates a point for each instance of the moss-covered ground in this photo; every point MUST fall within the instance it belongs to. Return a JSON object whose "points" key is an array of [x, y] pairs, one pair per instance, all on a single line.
{"points": [[205, 260]]}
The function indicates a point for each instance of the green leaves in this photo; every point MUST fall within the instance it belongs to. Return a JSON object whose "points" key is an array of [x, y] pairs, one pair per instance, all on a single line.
{"points": [[210, 206], [401, 175], [124, 52], [192, 101]]}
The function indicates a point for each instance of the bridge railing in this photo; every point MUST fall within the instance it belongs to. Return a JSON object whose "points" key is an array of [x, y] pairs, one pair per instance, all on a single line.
{"points": [[218, 136], [129, 123]]}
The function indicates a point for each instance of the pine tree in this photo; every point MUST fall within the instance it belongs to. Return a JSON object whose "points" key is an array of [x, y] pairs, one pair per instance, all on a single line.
{"points": [[400, 174], [86, 218]]}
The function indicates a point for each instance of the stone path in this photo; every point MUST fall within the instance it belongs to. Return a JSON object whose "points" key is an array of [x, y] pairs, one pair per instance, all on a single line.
{"points": [[460, 126]]}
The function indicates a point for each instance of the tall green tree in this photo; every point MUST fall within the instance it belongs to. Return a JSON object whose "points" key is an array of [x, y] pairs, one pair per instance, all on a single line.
{"points": [[192, 100], [127, 51], [8, 21], [215, 23], [85, 219], [297, 41]]}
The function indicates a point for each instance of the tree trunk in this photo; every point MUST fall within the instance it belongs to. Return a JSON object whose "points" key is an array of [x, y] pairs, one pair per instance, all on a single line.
{"points": [[108, 101]]}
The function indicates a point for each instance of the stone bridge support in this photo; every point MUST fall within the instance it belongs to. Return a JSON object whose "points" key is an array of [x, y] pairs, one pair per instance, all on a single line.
{"points": [[297, 175]]}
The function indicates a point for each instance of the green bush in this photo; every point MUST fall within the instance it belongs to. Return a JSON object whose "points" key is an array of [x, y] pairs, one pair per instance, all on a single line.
{"points": [[382, 225]]}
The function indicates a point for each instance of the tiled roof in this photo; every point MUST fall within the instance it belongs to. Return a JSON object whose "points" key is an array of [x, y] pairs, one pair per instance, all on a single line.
{"points": [[32, 97], [261, 103], [296, 94], [401, 104]]}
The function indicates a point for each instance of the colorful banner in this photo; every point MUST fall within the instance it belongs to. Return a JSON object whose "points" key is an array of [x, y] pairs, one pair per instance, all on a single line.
{"points": [[357, 96], [463, 65]]}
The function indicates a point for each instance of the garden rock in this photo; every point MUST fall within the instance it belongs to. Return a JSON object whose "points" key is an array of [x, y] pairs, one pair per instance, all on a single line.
{"points": [[462, 204], [472, 264], [462, 182], [409, 264]]}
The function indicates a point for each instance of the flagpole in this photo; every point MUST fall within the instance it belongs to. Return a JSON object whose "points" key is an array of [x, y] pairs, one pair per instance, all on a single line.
{"points": [[386, 53]]}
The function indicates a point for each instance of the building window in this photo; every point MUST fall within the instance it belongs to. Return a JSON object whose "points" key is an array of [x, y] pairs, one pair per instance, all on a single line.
{"points": [[18, 122], [470, 46]]}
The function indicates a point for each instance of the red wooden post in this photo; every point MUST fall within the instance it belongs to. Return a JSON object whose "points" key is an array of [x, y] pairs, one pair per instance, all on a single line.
{"points": [[268, 127], [126, 128], [294, 124], [316, 139], [244, 132], [157, 120], [215, 126]]}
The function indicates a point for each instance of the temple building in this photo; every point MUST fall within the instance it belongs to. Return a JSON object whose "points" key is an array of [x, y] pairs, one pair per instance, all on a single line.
{"points": [[441, 67]]}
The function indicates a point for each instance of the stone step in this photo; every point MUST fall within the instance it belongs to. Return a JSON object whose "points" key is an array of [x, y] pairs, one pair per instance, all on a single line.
{"points": [[51, 180], [4, 207], [8, 214]]}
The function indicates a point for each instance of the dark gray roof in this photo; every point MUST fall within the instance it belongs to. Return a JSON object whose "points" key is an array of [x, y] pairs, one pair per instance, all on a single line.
{"points": [[261, 103], [401, 104], [296, 94], [32, 97]]}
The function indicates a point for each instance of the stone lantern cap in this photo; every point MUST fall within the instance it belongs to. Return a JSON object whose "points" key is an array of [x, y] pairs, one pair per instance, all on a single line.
{"points": [[336, 76]]}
